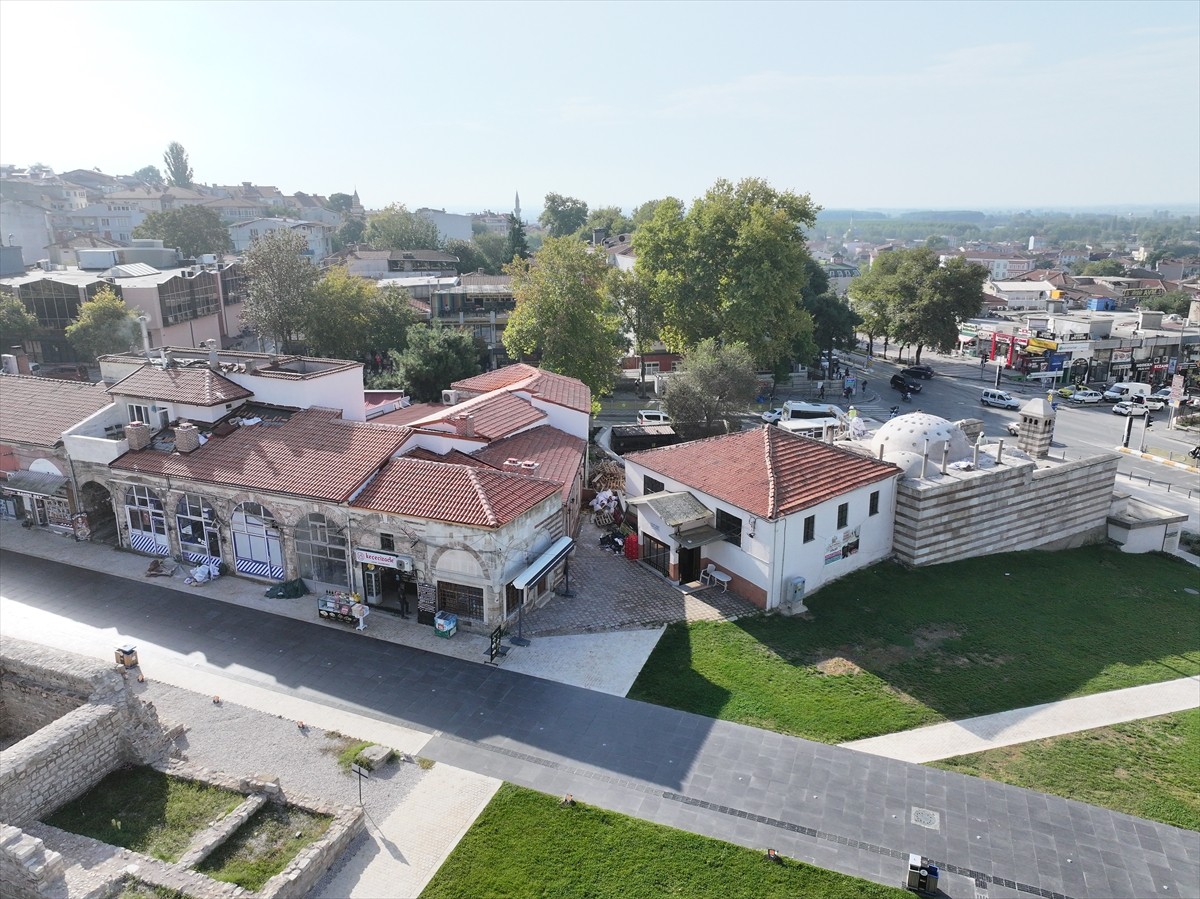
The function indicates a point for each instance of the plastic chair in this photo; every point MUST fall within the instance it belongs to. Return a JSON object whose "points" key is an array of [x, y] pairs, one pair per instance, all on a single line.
{"points": [[706, 576]]}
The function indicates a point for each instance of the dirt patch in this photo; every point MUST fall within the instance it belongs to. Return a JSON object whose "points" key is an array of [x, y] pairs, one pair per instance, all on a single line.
{"points": [[837, 667]]}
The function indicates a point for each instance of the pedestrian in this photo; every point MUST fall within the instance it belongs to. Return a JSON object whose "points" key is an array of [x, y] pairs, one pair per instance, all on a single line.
{"points": [[404, 608], [821, 389], [864, 383]]}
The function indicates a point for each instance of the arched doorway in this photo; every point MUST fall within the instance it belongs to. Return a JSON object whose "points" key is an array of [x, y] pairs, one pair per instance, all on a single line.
{"points": [[321, 552], [96, 503], [147, 521], [256, 546]]}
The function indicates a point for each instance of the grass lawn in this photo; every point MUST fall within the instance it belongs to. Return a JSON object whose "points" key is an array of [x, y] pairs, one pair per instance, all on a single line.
{"points": [[1149, 769], [524, 844], [891, 648], [263, 846], [145, 810]]}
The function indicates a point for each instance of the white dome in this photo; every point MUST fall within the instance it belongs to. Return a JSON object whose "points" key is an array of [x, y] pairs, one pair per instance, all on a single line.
{"points": [[902, 441]]}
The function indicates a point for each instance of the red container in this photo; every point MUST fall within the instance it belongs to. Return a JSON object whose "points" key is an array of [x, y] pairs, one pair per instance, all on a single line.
{"points": [[631, 547]]}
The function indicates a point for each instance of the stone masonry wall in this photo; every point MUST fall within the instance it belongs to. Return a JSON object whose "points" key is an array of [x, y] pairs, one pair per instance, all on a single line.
{"points": [[28, 870], [1015, 507], [25, 707]]}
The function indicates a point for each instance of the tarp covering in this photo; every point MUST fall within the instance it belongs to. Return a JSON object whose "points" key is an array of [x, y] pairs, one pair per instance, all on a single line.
{"points": [[289, 589]]}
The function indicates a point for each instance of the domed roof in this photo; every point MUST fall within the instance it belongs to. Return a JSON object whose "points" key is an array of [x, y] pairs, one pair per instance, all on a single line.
{"points": [[902, 441]]}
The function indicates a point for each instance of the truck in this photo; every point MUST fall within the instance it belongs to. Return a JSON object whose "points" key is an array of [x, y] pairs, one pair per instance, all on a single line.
{"points": [[820, 420]]}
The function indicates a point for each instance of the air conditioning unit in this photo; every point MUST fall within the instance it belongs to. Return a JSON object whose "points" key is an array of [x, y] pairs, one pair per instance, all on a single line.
{"points": [[450, 397]]}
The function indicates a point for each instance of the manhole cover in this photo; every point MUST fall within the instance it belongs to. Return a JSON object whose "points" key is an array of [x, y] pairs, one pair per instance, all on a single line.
{"points": [[926, 818]]}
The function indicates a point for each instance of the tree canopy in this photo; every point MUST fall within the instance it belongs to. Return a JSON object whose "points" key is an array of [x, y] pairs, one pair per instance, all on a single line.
{"points": [[733, 265], [564, 311], [105, 325], [280, 285], [193, 230], [518, 243], [1103, 268], [340, 202], [712, 386], [562, 215], [395, 228], [149, 174], [349, 317], [1173, 301], [435, 358], [834, 325], [179, 170], [641, 316], [17, 324], [609, 218]]}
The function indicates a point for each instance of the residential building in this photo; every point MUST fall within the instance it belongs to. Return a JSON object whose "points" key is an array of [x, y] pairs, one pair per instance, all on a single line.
{"points": [[1022, 295], [26, 224], [111, 220], [1000, 266], [479, 303], [317, 236], [157, 199], [840, 273], [449, 225]]}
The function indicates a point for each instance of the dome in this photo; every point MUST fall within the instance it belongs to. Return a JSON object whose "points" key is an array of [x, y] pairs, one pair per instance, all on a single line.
{"points": [[902, 441]]}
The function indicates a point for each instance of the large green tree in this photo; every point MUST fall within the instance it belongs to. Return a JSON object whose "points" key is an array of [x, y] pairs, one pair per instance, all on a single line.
{"points": [[712, 387], [349, 317], [834, 323], [734, 265], [395, 228], [562, 215], [564, 311], [149, 174], [1103, 268], [435, 358], [280, 285], [193, 230], [105, 325], [645, 212], [518, 243], [1175, 301], [179, 169], [641, 317], [608, 218], [17, 324], [340, 202]]}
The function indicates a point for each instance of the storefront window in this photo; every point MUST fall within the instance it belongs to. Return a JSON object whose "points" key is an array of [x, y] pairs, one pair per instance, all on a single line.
{"points": [[464, 601], [197, 523], [147, 523], [321, 552], [256, 545]]}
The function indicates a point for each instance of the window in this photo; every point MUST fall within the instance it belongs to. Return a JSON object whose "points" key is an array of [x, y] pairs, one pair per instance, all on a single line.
{"points": [[810, 528], [730, 526], [197, 523], [387, 542], [843, 515], [155, 417], [651, 368], [256, 545], [321, 552], [652, 485], [147, 523], [464, 601], [874, 509]]}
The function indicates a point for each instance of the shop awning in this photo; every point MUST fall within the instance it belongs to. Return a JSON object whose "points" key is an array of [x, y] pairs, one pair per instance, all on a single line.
{"points": [[673, 508], [542, 564], [698, 537], [35, 482]]}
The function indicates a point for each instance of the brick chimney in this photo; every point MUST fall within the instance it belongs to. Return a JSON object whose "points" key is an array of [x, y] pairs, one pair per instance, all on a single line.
{"points": [[464, 425], [187, 438], [138, 435]]}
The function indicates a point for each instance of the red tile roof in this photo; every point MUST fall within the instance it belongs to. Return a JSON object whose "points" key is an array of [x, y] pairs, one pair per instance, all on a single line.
{"points": [[766, 471], [546, 385], [494, 415], [558, 455], [193, 386], [314, 453], [407, 415], [460, 494], [456, 457], [37, 410]]}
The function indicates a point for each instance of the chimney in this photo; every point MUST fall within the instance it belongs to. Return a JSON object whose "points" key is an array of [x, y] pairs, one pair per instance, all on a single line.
{"points": [[213, 362], [22, 360], [143, 320], [187, 438], [464, 425], [138, 435]]}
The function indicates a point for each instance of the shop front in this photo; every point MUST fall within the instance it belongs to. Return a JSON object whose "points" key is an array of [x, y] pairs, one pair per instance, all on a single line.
{"points": [[43, 500], [388, 579]]}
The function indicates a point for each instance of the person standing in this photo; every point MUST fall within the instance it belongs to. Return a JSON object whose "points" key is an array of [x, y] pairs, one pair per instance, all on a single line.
{"points": [[821, 389], [404, 608]]}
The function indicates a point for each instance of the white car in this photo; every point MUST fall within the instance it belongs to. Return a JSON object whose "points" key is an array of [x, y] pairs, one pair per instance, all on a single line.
{"points": [[772, 415], [1014, 428], [653, 417], [1086, 396], [1153, 402], [1127, 408]]}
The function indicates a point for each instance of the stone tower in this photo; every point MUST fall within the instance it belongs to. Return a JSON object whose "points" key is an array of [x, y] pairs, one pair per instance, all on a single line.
{"points": [[1037, 428]]}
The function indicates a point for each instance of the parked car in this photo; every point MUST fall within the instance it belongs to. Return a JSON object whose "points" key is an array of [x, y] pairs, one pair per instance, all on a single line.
{"points": [[653, 417], [905, 385], [924, 372], [1152, 402], [1014, 428], [772, 415], [1127, 408], [1066, 392], [999, 398], [1163, 392], [1084, 395]]}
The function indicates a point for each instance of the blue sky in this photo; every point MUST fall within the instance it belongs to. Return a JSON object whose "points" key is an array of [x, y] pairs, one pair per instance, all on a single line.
{"points": [[964, 105]]}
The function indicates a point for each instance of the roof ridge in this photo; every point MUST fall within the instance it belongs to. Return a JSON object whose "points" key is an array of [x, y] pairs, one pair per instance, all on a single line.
{"points": [[772, 483], [485, 501]]}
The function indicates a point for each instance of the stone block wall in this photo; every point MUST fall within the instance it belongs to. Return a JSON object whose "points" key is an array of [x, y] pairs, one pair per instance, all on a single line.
{"points": [[1022, 505], [28, 870], [26, 707]]}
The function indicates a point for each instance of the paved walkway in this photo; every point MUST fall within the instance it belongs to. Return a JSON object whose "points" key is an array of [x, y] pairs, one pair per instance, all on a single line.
{"points": [[844, 810], [941, 741]]}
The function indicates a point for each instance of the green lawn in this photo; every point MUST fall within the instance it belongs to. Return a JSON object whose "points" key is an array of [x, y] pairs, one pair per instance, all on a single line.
{"points": [[264, 845], [524, 844], [1149, 769], [891, 648]]}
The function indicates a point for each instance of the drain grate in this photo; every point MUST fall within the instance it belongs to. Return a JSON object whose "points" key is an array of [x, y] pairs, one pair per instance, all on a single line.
{"points": [[926, 818]]}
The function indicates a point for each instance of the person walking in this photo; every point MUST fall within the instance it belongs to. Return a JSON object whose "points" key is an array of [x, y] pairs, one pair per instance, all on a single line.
{"points": [[821, 390]]}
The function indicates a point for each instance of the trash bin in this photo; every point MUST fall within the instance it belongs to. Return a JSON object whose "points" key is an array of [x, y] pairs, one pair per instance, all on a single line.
{"points": [[922, 876], [445, 624], [127, 656]]}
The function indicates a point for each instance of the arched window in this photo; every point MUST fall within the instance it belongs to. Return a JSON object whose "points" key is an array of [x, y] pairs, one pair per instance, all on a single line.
{"points": [[256, 546], [147, 523], [198, 535], [321, 552]]}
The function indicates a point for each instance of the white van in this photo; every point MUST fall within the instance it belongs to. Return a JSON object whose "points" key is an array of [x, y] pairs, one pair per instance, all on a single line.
{"points": [[1126, 390], [653, 417], [999, 398]]}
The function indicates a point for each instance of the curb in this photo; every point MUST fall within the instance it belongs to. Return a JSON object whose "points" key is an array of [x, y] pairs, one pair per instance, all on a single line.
{"points": [[1150, 457]]}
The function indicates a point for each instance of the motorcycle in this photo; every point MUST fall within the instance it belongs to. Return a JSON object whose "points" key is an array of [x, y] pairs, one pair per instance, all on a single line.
{"points": [[907, 397], [894, 411], [1195, 453]]}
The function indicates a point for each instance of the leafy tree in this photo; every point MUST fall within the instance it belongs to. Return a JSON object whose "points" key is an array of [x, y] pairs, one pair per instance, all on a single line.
{"points": [[17, 324], [435, 358], [470, 257], [834, 324], [645, 212], [1103, 268], [564, 311], [562, 215], [395, 228], [713, 385], [518, 243], [105, 325], [349, 317], [192, 229], [389, 318], [179, 170], [734, 265], [149, 174], [609, 218], [350, 232], [641, 316], [1174, 301], [340, 202], [280, 285]]}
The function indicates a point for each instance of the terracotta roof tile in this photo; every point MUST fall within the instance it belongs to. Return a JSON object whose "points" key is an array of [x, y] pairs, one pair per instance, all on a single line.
{"points": [[546, 385], [193, 386], [314, 453], [494, 415], [38, 410], [558, 455], [456, 457], [460, 494], [766, 471]]}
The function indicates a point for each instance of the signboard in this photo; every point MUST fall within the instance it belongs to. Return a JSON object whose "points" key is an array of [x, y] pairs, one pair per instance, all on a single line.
{"points": [[382, 559], [427, 597], [1122, 355], [1037, 343], [1074, 346]]}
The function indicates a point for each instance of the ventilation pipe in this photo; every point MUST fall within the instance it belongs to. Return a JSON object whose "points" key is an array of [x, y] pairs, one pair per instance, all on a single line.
{"points": [[925, 459], [946, 457], [1000, 452], [143, 320]]}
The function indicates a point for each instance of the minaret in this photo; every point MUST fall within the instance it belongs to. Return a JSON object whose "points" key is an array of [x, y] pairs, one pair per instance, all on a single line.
{"points": [[517, 207]]}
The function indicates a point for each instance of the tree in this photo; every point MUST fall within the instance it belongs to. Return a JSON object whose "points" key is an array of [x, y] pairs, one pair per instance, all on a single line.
{"points": [[435, 358], [607, 218], [1174, 301], [562, 215], [712, 386], [149, 174], [645, 212], [193, 230], [470, 257], [389, 319], [641, 317], [349, 317], [17, 324], [179, 170], [350, 232], [395, 228], [279, 286], [518, 243], [105, 325], [564, 311], [735, 265], [834, 325], [340, 202], [1104, 268]]}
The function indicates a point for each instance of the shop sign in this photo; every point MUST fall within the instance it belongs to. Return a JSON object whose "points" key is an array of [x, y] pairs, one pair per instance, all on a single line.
{"points": [[1122, 355], [1020, 341], [1023, 332], [1037, 343], [966, 328], [384, 560], [1073, 346]]}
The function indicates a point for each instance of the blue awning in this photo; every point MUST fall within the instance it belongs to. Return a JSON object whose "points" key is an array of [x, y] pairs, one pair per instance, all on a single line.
{"points": [[542, 564]]}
